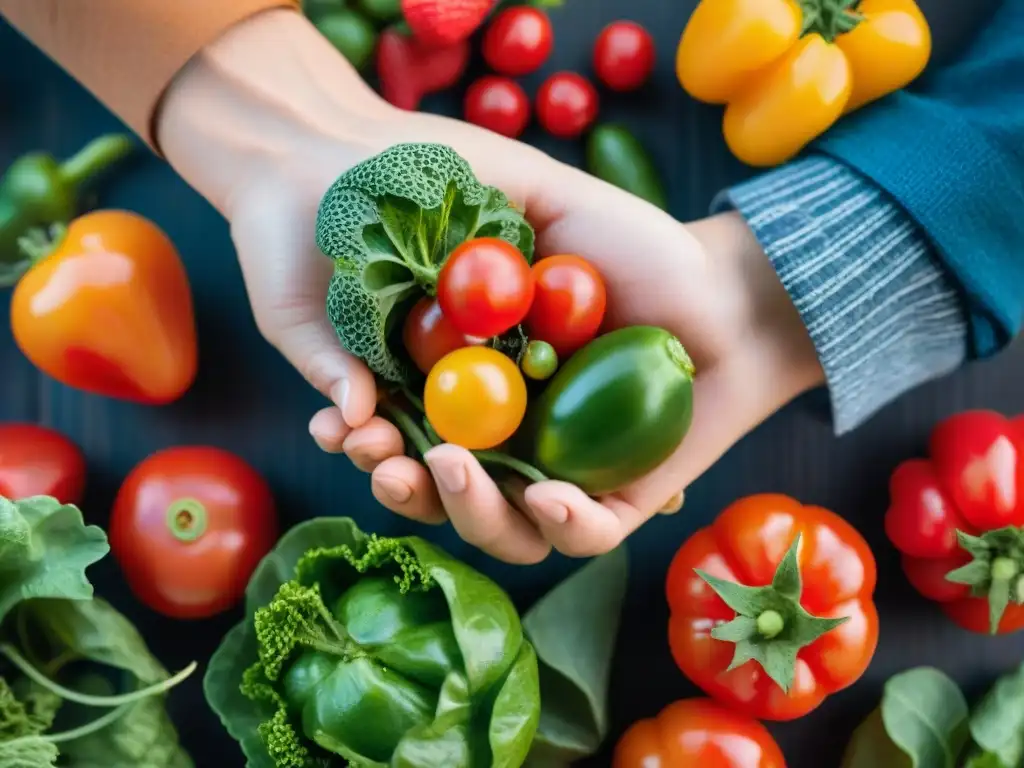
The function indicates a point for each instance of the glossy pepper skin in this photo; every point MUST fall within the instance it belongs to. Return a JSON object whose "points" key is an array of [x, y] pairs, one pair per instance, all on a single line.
{"points": [[768, 554], [109, 310], [38, 192], [616, 409], [957, 518], [788, 70]]}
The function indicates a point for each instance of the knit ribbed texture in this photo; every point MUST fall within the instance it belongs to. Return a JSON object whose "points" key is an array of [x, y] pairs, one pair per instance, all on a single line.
{"points": [[882, 312]]}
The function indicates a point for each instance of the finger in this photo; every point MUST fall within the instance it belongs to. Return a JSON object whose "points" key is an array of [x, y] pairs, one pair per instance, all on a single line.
{"points": [[673, 505], [404, 486], [328, 429], [313, 348], [479, 512], [373, 443], [577, 525]]}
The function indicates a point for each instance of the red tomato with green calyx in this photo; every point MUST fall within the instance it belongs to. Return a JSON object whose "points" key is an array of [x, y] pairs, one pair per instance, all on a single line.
{"points": [[38, 461], [189, 526], [518, 41], [697, 733], [485, 287], [624, 56], [568, 305], [428, 335], [958, 520], [498, 104], [784, 592], [566, 104]]}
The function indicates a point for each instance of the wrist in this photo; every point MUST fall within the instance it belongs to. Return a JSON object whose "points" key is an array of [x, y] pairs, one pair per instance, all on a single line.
{"points": [[267, 90], [774, 335]]}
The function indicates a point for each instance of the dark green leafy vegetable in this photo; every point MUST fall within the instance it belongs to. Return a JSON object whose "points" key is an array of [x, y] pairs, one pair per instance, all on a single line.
{"points": [[390, 223], [997, 724], [454, 671], [62, 646]]}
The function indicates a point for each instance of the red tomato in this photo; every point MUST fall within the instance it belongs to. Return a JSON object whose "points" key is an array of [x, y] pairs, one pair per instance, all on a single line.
{"points": [[428, 335], [566, 104], [746, 545], [485, 287], [189, 526], [973, 483], [498, 104], [568, 305], [37, 461], [518, 41], [697, 733], [624, 55]]}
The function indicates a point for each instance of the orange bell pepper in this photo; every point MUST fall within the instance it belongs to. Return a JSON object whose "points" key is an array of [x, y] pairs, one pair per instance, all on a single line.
{"points": [[107, 309], [788, 70]]}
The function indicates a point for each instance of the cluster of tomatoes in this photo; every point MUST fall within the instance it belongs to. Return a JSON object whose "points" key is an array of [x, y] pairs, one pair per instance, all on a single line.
{"points": [[518, 41], [475, 395]]}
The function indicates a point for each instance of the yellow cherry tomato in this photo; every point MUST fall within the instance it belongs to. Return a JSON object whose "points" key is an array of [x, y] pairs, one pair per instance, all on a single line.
{"points": [[788, 104], [475, 397], [788, 70], [727, 40], [894, 32]]}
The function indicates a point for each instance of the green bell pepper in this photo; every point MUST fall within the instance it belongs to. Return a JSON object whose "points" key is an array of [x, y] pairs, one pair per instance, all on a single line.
{"points": [[388, 652], [38, 192], [616, 410]]}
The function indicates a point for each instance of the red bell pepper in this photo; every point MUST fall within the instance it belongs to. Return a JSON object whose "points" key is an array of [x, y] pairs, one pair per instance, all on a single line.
{"points": [[408, 70], [958, 520]]}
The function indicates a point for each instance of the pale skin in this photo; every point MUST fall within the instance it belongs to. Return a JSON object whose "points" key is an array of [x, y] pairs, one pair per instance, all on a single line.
{"points": [[263, 121]]}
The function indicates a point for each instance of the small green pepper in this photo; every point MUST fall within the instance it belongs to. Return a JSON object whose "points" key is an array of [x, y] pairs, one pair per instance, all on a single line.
{"points": [[617, 156], [351, 33], [616, 410], [38, 192]]}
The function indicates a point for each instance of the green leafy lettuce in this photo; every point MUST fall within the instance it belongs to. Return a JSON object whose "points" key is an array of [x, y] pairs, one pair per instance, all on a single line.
{"points": [[479, 688], [390, 223], [77, 684]]}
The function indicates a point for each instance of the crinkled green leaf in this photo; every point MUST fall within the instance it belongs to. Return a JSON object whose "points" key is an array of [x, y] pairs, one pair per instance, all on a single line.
{"points": [[997, 722], [574, 629], [32, 752], [45, 547]]}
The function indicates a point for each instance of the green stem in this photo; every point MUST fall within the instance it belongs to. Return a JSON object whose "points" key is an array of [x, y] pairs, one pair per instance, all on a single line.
{"points": [[405, 423], [94, 157], [1004, 569], [431, 433], [528, 471], [38, 243], [75, 733], [413, 398], [829, 18], [770, 624], [86, 699], [186, 519]]}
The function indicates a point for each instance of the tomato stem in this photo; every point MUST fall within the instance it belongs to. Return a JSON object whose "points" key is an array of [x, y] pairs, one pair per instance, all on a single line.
{"points": [[186, 519], [528, 471], [406, 424], [770, 624], [38, 243]]}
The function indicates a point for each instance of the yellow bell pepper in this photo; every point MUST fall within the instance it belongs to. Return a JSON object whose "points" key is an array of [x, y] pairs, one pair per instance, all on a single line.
{"points": [[788, 70]]}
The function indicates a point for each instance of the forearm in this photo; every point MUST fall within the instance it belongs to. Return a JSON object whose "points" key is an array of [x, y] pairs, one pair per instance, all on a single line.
{"points": [[127, 51], [267, 86]]}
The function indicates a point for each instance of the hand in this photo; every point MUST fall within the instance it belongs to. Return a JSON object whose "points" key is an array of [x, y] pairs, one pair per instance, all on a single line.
{"points": [[707, 283]]}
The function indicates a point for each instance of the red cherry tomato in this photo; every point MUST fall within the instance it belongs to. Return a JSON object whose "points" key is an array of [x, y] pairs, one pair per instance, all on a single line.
{"points": [[189, 526], [498, 104], [566, 104], [518, 41], [568, 305], [428, 335], [485, 287], [624, 55], [37, 461]]}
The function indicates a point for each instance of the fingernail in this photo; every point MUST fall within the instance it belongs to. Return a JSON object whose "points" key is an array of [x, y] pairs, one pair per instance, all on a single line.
{"points": [[339, 395], [551, 511], [319, 440], [450, 475], [395, 489]]}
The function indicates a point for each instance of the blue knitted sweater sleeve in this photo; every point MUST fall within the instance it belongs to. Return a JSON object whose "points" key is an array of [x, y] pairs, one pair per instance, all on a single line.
{"points": [[950, 152]]}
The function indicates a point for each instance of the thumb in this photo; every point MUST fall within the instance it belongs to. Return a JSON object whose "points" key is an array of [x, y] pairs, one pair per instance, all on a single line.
{"points": [[312, 348]]}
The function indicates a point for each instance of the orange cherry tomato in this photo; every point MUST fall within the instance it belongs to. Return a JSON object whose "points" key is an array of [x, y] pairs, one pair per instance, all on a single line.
{"points": [[475, 397], [746, 545], [109, 311], [189, 526], [697, 733], [38, 461]]}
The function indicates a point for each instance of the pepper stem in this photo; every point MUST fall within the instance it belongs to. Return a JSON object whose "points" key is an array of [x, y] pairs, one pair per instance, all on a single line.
{"points": [[770, 624], [186, 519], [95, 157], [995, 572], [829, 18]]}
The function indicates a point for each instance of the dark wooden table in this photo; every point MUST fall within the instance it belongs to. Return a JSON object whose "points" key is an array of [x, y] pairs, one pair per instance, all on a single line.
{"points": [[265, 418]]}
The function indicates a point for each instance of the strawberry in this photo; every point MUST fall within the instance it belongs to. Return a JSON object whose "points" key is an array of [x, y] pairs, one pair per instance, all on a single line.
{"points": [[445, 22], [408, 71]]}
